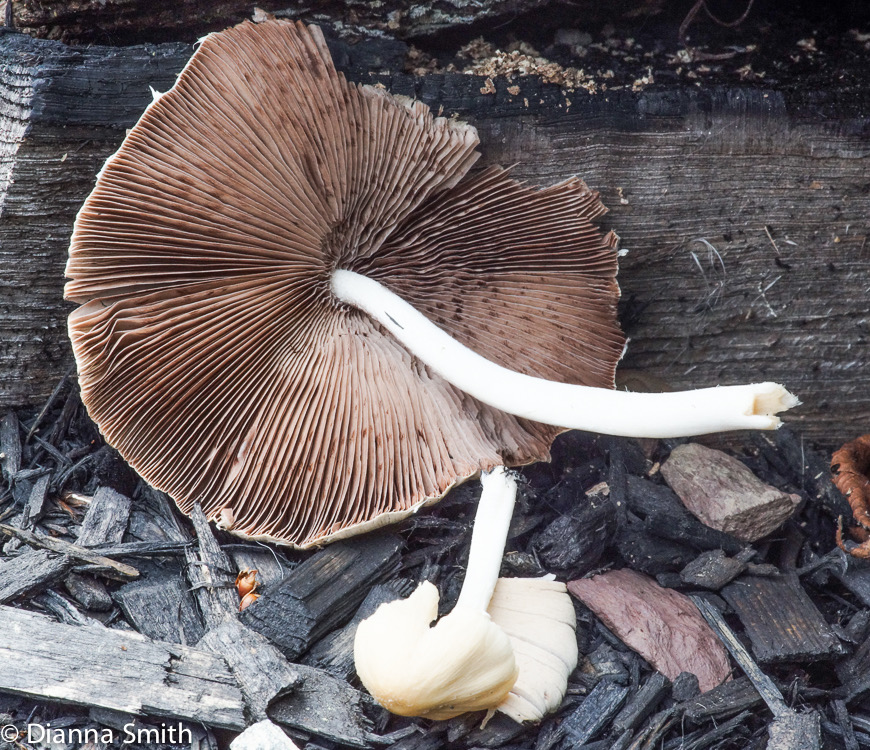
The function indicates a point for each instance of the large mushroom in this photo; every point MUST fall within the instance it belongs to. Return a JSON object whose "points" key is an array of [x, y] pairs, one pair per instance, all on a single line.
{"points": [[298, 308]]}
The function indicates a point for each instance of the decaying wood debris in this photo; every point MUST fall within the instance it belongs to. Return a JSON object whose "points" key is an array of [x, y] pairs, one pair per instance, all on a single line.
{"points": [[797, 608], [119, 621]]}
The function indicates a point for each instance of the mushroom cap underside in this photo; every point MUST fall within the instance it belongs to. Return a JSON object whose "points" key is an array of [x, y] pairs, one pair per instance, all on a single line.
{"points": [[211, 352]]}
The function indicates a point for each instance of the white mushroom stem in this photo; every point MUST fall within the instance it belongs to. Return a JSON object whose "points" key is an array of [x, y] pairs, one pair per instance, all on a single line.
{"points": [[654, 415], [491, 522]]}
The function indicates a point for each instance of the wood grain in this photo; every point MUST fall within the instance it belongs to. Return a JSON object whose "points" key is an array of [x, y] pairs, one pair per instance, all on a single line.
{"points": [[744, 211], [50, 661]]}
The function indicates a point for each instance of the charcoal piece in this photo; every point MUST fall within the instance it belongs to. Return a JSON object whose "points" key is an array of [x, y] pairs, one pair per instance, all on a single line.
{"points": [[854, 673], [723, 700], [685, 687], [106, 518], [141, 549], [651, 554], [210, 573], [574, 544], [617, 476], [334, 652], [63, 609], [119, 670], [110, 470], [61, 425], [857, 628], [35, 508], [668, 518], [89, 592], [323, 592], [516, 564], [712, 570], [570, 450], [781, 621], [850, 741], [43, 445], [642, 703], [32, 570], [592, 715], [626, 453], [10, 446], [669, 580], [807, 468], [794, 731], [260, 669], [153, 518], [430, 740], [160, 605], [570, 493], [46, 407], [724, 494], [324, 706], [604, 662], [498, 732], [854, 574], [108, 566], [729, 731]]}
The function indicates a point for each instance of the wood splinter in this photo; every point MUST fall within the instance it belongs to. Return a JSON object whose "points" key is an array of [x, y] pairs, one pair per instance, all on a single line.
{"points": [[850, 467]]}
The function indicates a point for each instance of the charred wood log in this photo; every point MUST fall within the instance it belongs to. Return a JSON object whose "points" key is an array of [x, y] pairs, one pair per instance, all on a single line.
{"points": [[710, 295]]}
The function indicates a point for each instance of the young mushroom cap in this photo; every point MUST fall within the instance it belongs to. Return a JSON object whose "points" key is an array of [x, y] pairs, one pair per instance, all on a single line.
{"points": [[538, 617], [465, 663], [507, 645], [212, 351]]}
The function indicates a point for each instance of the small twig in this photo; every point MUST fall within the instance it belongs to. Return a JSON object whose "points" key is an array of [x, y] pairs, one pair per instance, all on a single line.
{"points": [[63, 381], [770, 237], [702, 5], [72, 550], [763, 684]]}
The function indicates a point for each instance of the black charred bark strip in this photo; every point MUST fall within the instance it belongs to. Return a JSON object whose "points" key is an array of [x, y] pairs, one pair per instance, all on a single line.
{"points": [[781, 620], [72, 550], [106, 519], [32, 570], [334, 652], [642, 703], [210, 573], [262, 672], [322, 593], [160, 605]]}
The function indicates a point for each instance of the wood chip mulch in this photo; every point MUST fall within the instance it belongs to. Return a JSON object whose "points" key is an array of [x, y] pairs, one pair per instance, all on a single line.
{"points": [[113, 606]]}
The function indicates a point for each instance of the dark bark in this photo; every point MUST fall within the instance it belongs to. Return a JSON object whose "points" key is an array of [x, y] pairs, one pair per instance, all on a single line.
{"points": [[127, 21]]}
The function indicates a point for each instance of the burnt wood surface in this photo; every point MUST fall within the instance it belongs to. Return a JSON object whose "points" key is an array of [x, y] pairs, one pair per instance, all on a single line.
{"points": [[51, 661], [323, 592], [744, 208], [123, 21], [781, 620]]}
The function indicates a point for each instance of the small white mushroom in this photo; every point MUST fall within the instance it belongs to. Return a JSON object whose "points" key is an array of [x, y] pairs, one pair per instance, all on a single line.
{"points": [[465, 662], [508, 644]]}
